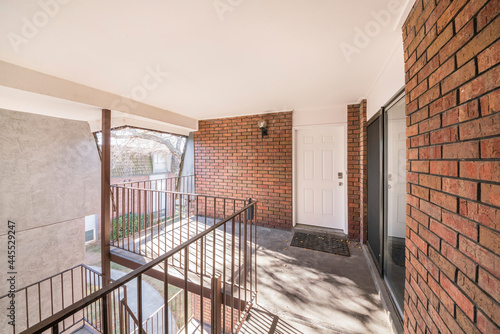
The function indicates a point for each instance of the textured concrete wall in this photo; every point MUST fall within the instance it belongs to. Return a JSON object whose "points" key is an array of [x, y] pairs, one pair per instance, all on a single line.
{"points": [[49, 181]]}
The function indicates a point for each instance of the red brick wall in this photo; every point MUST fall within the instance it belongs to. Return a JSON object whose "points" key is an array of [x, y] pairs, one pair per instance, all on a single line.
{"points": [[356, 170], [453, 128], [207, 313], [232, 160]]}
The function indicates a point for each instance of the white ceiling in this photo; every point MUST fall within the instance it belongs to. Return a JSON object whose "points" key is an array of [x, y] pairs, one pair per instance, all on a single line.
{"points": [[259, 56]]}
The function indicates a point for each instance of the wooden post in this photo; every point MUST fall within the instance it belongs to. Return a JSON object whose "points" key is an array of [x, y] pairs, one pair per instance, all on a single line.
{"points": [[105, 214], [105, 198]]}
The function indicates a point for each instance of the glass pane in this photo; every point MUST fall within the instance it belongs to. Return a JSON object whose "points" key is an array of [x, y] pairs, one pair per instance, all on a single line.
{"points": [[394, 246]]}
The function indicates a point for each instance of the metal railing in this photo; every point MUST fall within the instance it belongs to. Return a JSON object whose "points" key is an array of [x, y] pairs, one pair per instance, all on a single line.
{"points": [[41, 300], [231, 292], [183, 184], [150, 222]]}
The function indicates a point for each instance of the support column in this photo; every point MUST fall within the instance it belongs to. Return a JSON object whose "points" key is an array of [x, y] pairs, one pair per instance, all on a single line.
{"points": [[105, 197]]}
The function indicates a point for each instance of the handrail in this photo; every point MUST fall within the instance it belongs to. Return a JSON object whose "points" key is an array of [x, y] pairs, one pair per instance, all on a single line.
{"points": [[54, 320], [55, 275], [176, 193], [164, 178]]}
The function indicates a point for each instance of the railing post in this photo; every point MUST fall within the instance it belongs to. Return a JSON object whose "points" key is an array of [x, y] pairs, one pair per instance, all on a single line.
{"points": [[216, 306], [55, 329]]}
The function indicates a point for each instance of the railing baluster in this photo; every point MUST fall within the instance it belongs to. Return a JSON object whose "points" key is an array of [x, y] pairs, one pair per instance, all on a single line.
{"points": [[197, 218], [104, 317], [245, 255], [27, 310], [255, 236], [202, 261], [139, 302], [239, 266], [165, 293], [233, 232], [39, 304], [186, 263], [224, 301]]}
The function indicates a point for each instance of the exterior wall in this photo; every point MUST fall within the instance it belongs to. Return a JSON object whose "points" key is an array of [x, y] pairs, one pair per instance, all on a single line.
{"points": [[356, 171], [232, 160], [390, 81], [50, 180], [453, 150], [188, 163]]}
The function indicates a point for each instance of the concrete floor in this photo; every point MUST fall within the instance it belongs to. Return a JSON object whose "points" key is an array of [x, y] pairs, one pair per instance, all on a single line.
{"points": [[305, 291]]}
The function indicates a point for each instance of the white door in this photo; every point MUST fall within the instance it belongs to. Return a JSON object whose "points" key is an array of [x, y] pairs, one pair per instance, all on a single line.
{"points": [[320, 176]]}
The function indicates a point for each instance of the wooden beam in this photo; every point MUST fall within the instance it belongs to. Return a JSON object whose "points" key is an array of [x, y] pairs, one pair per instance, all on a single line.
{"points": [[105, 197]]}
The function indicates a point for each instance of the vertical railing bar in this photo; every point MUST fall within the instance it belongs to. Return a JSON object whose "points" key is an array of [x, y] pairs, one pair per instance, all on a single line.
{"points": [[72, 292], [224, 301], [165, 229], [39, 304], [146, 219], [139, 302], [82, 269], [180, 228], [232, 271], [197, 218], [186, 263], [172, 197], [133, 218], [204, 268], [104, 317], [239, 266], [251, 252], [255, 230], [214, 237], [245, 242], [165, 293], [51, 298], [202, 262], [27, 308], [188, 213], [159, 199]]}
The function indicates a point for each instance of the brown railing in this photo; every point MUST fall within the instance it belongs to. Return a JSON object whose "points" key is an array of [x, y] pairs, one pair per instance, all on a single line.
{"points": [[230, 288], [151, 222], [183, 184], [38, 301]]}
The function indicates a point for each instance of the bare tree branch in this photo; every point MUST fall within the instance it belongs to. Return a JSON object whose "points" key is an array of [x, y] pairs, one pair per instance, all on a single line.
{"points": [[165, 141]]}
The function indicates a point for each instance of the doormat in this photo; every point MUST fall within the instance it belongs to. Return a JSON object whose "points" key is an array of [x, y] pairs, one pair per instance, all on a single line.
{"points": [[321, 242]]}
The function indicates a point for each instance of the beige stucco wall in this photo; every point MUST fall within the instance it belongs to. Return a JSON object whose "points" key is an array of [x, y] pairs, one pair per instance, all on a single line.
{"points": [[49, 181]]}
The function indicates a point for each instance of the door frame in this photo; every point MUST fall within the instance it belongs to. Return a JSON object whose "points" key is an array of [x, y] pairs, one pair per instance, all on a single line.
{"points": [[294, 167]]}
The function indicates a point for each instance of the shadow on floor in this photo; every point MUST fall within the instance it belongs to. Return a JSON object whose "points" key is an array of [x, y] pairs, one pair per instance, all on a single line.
{"points": [[262, 321]]}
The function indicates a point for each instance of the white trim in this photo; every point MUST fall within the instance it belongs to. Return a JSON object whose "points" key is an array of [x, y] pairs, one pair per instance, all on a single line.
{"points": [[403, 15], [294, 176]]}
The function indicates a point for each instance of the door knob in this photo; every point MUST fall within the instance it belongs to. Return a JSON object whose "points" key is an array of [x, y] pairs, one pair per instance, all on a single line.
{"points": [[341, 184]]}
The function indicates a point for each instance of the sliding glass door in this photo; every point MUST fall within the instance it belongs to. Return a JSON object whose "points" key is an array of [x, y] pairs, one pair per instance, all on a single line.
{"points": [[386, 200], [395, 199]]}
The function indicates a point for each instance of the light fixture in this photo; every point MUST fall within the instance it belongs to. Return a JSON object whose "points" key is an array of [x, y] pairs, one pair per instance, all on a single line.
{"points": [[262, 126]]}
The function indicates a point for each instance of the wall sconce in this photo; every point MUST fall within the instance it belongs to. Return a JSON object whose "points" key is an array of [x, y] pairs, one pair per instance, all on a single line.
{"points": [[262, 126]]}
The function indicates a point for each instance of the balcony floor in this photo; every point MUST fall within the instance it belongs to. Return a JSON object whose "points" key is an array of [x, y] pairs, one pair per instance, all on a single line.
{"points": [[304, 291]]}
